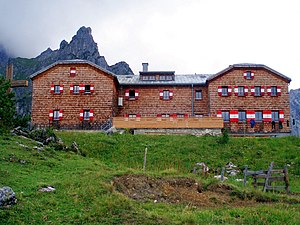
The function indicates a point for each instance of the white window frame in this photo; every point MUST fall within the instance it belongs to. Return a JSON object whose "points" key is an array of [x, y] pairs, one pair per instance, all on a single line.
{"points": [[224, 90], [166, 94], [198, 94], [55, 114], [56, 89], [76, 89], [274, 91], [258, 116], [86, 115]]}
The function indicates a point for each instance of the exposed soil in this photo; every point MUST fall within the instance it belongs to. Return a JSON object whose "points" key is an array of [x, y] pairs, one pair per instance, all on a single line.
{"points": [[178, 191]]}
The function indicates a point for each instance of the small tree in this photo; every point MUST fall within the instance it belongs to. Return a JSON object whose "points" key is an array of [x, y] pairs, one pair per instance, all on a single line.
{"points": [[7, 106]]}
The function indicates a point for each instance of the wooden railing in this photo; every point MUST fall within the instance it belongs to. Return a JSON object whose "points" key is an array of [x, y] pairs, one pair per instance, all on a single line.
{"points": [[156, 122]]}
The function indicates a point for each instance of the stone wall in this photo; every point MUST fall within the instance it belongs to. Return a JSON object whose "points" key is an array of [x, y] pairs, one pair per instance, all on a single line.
{"points": [[196, 132]]}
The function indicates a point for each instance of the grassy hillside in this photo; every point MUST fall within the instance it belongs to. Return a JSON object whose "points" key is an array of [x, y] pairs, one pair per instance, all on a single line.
{"points": [[85, 193]]}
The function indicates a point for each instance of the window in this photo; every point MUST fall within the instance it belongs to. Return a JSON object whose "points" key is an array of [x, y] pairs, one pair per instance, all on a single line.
{"points": [[224, 91], [166, 95], [87, 89], [248, 75], [165, 115], [225, 116], [275, 116], [131, 94], [198, 115], [57, 89], [148, 77], [86, 115], [198, 94], [76, 89], [165, 77], [56, 115], [132, 115], [257, 91], [241, 91], [258, 116], [273, 91], [242, 116], [180, 115]]}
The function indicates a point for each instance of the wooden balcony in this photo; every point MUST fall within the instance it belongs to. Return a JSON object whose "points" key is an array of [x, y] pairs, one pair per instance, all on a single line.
{"points": [[168, 123]]}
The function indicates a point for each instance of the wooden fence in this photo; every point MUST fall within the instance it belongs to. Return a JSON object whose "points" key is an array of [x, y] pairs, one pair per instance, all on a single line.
{"points": [[168, 123], [268, 178]]}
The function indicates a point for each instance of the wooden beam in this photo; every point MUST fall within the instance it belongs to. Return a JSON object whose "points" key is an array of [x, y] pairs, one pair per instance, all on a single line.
{"points": [[19, 83], [9, 76]]}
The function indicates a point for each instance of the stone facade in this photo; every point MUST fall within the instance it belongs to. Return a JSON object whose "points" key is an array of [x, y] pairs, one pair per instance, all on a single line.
{"points": [[255, 98]]}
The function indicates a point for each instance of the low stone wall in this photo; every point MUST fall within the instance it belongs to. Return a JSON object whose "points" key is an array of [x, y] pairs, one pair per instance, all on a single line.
{"points": [[196, 132]]}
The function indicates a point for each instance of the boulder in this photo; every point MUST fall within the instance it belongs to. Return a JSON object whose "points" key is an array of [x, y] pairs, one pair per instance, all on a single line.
{"points": [[7, 196]]}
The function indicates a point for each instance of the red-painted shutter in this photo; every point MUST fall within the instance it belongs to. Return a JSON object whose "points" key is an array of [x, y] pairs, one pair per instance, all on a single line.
{"points": [[136, 93], [161, 94], [229, 90], [81, 115], [92, 88], [126, 117], [278, 91], [186, 115], [71, 88], [127, 94], [60, 114], [234, 116], [281, 115], [262, 90], [91, 114], [171, 94], [267, 115], [138, 117], [236, 90], [269, 90], [61, 88], [246, 90], [52, 89], [250, 114], [219, 113], [174, 115], [252, 90], [72, 71], [81, 88], [252, 75], [245, 74], [220, 90], [51, 114], [158, 115]]}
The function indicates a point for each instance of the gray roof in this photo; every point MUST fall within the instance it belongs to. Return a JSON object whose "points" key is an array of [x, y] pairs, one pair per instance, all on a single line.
{"points": [[73, 61], [199, 79], [249, 66]]}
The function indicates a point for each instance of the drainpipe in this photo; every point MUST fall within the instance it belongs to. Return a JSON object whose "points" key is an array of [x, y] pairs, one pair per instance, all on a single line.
{"points": [[193, 100]]}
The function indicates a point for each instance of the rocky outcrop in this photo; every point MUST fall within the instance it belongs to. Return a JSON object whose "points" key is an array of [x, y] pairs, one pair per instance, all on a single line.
{"points": [[7, 197], [295, 111]]}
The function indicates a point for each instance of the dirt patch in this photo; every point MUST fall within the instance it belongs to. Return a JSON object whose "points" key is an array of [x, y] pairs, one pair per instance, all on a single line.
{"points": [[177, 191]]}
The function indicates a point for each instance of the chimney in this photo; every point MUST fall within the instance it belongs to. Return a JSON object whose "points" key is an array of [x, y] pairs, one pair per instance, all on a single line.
{"points": [[145, 67]]}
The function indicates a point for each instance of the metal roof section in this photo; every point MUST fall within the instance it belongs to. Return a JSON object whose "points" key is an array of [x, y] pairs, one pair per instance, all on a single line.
{"points": [[66, 62], [188, 79], [249, 66]]}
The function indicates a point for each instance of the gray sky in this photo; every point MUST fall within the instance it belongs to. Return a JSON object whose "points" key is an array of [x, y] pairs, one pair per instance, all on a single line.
{"points": [[188, 36]]}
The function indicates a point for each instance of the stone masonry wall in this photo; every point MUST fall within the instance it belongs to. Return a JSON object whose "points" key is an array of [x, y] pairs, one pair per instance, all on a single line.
{"points": [[103, 101], [262, 77]]}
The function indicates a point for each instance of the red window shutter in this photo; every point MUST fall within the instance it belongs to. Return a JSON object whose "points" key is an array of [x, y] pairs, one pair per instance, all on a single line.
{"points": [[278, 91], [51, 114], [229, 90], [246, 90], [252, 75], [269, 90], [186, 115], [281, 115], [161, 94], [250, 114], [91, 114], [220, 90], [92, 88], [60, 114], [72, 71], [138, 115], [127, 94], [267, 115], [236, 90], [171, 94], [71, 88], [252, 90], [234, 116], [262, 90], [81, 88], [136, 93], [52, 89], [81, 115], [158, 115], [61, 88], [219, 113]]}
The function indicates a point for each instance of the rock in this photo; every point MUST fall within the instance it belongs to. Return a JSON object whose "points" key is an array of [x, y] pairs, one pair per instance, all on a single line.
{"points": [[7, 197], [38, 148], [47, 189], [74, 148], [111, 130], [219, 177]]}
